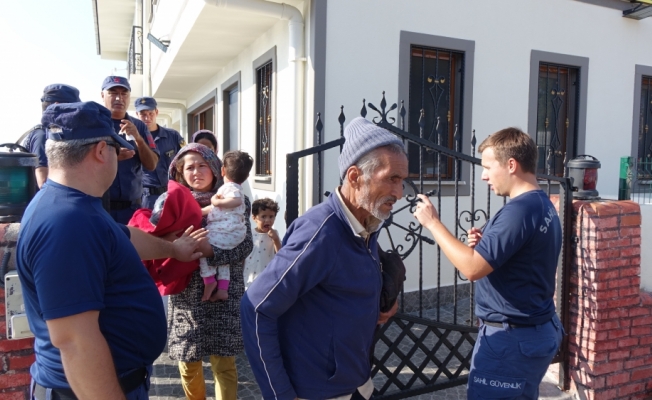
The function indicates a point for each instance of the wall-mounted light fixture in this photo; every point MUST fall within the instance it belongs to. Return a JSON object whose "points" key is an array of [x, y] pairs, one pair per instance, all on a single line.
{"points": [[642, 10], [161, 44]]}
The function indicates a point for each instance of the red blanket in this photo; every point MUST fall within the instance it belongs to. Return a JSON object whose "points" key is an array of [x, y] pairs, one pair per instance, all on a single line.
{"points": [[179, 212]]}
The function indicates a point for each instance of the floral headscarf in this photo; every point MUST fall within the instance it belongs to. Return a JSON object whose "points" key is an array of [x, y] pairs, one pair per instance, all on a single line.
{"points": [[214, 163]]}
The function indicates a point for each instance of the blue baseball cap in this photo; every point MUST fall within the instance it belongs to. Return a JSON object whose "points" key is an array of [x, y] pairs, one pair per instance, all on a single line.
{"points": [[145, 103], [113, 81], [68, 121], [60, 93]]}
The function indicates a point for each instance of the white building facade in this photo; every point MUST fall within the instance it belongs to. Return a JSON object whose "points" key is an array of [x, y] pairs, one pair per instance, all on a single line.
{"points": [[575, 74]]}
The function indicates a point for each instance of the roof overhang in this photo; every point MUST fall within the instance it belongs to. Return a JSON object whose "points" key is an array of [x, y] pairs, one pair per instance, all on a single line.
{"points": [[216, 37], [113, 24]]}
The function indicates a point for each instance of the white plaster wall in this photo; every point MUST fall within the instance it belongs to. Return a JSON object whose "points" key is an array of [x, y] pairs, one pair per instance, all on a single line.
{"points": [[276, 36], [173, 20], [285, 141], [646, 250], [362, 61]]}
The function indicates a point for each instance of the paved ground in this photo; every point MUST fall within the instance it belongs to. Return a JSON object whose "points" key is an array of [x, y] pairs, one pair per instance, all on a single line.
{"points": [[166, 384]]}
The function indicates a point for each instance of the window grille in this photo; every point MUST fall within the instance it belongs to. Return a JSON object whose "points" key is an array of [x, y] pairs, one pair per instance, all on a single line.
{"points": [[264, 86], [557, 100], [436, 86]]}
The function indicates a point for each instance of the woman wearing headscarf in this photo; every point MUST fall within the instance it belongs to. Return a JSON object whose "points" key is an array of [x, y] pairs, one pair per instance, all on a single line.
{"points": [[207, 329], [205, 137]]}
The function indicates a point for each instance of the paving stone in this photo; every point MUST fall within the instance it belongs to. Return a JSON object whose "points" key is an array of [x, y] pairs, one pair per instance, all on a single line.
{"points": [[166, 383]]}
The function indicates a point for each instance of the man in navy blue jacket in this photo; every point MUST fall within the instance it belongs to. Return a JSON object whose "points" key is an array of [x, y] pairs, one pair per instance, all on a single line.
{"points": [[125, 194], [35, 140], [168, 142], [308, 320]]}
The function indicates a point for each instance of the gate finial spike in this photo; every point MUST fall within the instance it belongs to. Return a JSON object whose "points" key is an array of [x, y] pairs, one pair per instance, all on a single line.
{"points": [[319, 126], [363, 111], [422, 122], [402, 112], [382, 112], [341, 120]]}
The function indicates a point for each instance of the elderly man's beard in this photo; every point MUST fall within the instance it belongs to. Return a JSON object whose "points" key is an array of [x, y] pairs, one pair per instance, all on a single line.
{"points": [[374, 207]]}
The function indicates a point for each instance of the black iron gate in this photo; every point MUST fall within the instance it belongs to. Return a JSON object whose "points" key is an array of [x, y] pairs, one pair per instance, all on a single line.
{"points": [[427, 345]]}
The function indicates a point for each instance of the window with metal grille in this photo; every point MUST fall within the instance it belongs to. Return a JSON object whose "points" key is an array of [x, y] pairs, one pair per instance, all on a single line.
{"points": [[645, 119], [264, 124], [436, 86], [557, 106]]}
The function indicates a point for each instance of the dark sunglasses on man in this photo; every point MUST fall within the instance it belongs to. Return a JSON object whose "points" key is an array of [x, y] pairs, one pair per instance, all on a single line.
{"points": [[111, 143]]}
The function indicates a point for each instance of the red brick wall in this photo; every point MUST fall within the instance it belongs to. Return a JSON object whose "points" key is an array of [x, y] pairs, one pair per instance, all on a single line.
{"points": [[611, 324], [16, 356]]}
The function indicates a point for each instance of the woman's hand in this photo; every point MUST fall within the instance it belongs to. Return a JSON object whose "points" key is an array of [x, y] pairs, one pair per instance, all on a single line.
{"points": [[206, 249]]}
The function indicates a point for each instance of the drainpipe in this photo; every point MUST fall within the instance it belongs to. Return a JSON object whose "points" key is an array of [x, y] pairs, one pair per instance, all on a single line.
{"points": [[183, 121], [296, 57]]}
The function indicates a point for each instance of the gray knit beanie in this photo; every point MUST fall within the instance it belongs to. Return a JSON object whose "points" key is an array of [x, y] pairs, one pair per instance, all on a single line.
{"points": [[362, 136]]}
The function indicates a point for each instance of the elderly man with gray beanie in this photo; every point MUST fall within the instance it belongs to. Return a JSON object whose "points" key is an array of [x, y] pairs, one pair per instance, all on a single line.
{"points": [[308, 320]]}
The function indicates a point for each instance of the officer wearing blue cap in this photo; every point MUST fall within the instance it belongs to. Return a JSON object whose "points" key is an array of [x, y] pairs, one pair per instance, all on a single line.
{"points": [[35, 140], [168, 141], [94, 310], [125, 194]]}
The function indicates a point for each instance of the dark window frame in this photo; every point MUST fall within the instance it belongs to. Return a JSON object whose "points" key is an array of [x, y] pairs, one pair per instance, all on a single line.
{"points": [[556, 131], [229, 85], [640, 72], [467, 48], [266, 181], [641, 120], [201, 106], [538, 57]]}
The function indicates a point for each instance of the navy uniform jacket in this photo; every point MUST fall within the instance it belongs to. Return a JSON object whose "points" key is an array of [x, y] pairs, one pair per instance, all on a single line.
{"points": [[128, 183], [168, 142], [35, 144]]}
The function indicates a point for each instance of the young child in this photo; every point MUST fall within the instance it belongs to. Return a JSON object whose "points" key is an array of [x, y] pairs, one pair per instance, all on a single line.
{"points": [[225, 221], [266, 240]]}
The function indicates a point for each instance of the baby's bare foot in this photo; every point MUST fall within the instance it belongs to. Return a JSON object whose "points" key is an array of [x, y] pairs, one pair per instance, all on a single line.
{"points": [[208, 290], [221, 294]]}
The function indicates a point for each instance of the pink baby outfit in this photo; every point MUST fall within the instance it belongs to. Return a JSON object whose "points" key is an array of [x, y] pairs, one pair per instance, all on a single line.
{"points": [[226, 229]]}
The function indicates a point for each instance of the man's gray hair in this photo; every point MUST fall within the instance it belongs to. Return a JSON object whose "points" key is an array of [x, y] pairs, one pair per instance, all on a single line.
{"points": [[70, 153], [370, 162]]}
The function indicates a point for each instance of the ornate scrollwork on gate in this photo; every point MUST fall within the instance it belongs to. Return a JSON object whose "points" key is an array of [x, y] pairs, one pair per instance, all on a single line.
{"points": [[413, 231]]}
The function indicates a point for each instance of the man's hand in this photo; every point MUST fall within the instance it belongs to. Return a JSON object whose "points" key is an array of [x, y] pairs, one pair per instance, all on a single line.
{"points": [[128, 128], [125, 154], [474, 235], [148, 157], [185, 246], [426, 212], [385, 316]]}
